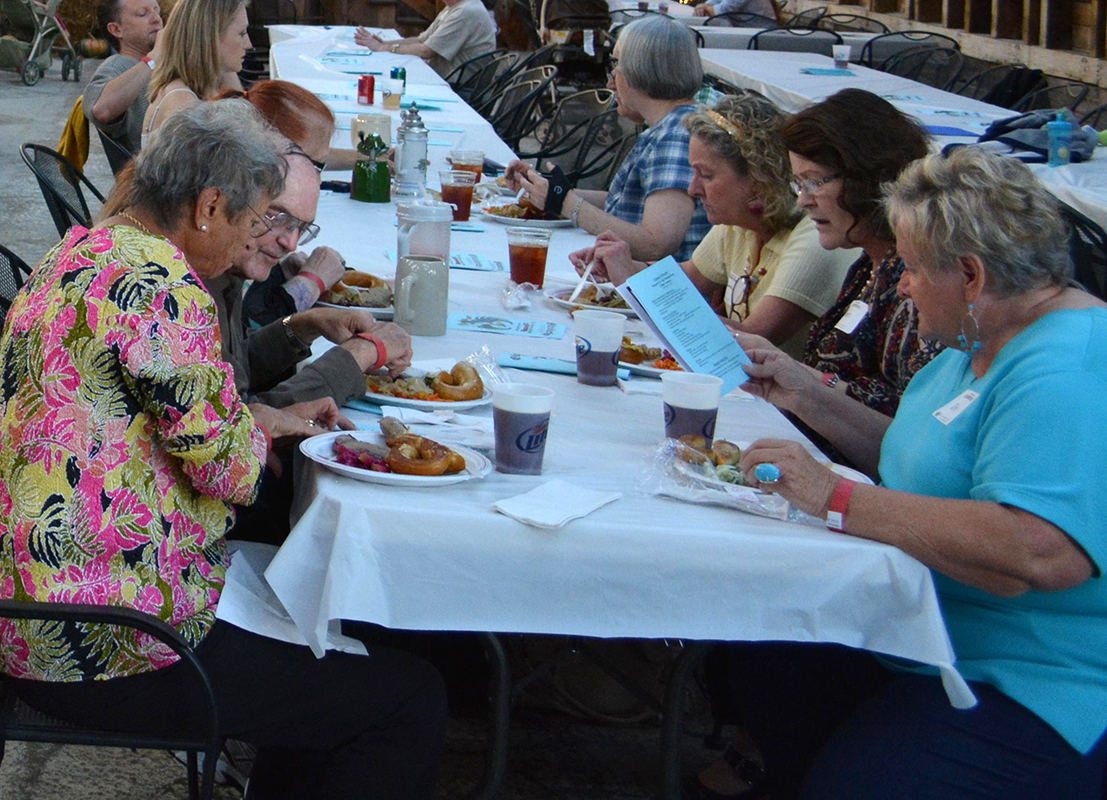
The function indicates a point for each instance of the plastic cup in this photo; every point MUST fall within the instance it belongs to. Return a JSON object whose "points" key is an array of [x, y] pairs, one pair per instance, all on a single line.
{"points": [[391, 94], [457, 190], [468, 160], [521, 417], [842, 53], [526, 250], [371, 123], [599, 336], [691, 404]]}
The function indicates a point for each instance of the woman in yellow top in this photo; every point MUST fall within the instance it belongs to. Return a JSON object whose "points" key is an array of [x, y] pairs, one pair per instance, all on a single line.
{"points": [[203, 46], [761, 266]]}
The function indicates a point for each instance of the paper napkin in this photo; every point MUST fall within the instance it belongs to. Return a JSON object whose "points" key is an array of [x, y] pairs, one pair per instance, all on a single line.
{"points": [[553, 504]]}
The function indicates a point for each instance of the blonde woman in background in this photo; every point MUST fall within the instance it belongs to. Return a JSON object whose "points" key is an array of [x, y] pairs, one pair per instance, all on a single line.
{"points": [[204, 44], [761, 265]]}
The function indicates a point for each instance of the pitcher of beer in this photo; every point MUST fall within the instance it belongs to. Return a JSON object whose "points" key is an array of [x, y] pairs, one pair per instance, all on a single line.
{"points": [[423, 229], [422, 291]]}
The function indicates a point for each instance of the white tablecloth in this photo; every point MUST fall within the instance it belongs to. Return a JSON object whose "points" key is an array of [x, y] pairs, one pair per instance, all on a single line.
{"points": [[778, 77], [644, 566]]}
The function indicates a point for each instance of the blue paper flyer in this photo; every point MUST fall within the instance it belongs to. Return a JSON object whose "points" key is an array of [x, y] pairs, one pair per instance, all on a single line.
{"points": [[486, 323], [668, 302]]}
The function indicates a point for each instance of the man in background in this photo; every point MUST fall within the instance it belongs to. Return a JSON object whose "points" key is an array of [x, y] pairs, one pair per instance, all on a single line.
{"points": [[115, 99], [461, 31]]}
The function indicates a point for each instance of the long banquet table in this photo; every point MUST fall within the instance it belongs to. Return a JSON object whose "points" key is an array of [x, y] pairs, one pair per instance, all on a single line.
{"points": [[644, 566], [778, 76]]}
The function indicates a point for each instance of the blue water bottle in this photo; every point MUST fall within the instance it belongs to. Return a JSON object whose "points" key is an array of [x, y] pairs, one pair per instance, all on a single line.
{"points": [[1059, 133]]}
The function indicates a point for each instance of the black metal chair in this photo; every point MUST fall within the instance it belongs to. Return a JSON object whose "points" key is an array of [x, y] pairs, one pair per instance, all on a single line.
{"points": [[808, 40], [465, 72], [1094, 117], [118, 155], [805, 19], [60, 183], [484, 82], [625, 15], [871, 53], [565, 134], [698, 37], [516, 113], [1067, 94], [849, 22], [740, 19], [492, 103], [21, 723], [1002, 85], [934, 66], [1088, 246], [13, 274]]}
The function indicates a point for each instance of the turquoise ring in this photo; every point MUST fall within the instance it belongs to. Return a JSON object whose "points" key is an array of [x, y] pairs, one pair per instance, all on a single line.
{"points": [[767, 473]]}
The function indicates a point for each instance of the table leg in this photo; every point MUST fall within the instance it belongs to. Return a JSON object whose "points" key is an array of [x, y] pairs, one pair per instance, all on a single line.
{"points": [[672, 718], [499, 716]]}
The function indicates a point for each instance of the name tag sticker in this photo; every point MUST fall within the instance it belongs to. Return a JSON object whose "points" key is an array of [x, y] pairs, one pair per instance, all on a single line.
{"points": [[856, 312], [952, 410]]}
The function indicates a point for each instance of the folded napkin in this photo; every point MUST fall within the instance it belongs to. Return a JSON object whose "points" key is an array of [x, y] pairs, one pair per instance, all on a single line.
{"points": [[447, 427], [410, 416], [553, 504], [639, 386]]}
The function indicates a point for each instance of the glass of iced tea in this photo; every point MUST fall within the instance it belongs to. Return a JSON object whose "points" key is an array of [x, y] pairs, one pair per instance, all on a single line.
{"points": [[457, 190], [526, 249], [468, 160]]}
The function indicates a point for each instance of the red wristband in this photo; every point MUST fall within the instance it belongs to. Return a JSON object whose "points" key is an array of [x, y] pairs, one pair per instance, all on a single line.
{"points": [[382, 353], [268, 438], [830, 379], [839, 505], [313, 277]]}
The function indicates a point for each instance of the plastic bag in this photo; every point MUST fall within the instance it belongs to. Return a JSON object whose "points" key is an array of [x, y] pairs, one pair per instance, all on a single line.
{"points": [[672, 474], [488, 368], [516, 296]]}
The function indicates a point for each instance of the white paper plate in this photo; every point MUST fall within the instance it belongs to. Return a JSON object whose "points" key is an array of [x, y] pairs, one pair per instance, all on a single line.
{"points": [[645, 370], [378, 313], [693, 471], [559, 297], [320, 449], [429, 405], [522, 223]]}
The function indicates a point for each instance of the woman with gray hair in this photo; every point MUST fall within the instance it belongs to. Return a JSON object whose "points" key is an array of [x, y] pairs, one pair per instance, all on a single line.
{"points": [[991, 474], [761, 264], [122, 445], [655, 73]]}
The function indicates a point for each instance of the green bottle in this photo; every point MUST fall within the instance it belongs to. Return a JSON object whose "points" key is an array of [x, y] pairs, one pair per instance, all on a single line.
{"points": [[371, 180]]}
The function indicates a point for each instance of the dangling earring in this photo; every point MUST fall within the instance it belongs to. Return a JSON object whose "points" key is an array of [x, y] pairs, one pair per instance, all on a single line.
{"points": [[964, 339], [755, 207]]}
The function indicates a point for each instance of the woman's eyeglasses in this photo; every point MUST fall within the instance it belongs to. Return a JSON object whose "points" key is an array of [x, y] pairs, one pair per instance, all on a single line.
{"points": [[813, 185]]}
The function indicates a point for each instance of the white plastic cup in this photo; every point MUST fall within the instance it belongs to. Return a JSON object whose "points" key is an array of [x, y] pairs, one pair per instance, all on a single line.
{"points": [[599, 337], [521, 416], [842, 54], [691, 404]]}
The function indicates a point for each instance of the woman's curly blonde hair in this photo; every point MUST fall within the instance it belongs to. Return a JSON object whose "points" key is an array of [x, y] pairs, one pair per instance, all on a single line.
{"points": [[745, 130]]}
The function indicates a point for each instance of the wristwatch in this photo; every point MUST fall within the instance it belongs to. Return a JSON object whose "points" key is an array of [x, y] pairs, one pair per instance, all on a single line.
{"points": [[394, 48], [149, 62], [294, 341]]}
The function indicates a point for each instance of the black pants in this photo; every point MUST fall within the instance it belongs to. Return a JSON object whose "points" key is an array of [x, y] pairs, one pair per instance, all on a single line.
{"points": [[832, 723], [338, 727]]}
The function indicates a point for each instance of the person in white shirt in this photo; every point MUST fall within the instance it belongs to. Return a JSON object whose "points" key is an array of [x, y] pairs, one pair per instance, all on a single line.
{"points": [[765, 8], [461, 31]]}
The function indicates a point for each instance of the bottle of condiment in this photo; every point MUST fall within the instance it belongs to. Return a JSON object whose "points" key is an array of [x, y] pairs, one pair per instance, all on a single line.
{"points": [[370, 183], [411, 155]]}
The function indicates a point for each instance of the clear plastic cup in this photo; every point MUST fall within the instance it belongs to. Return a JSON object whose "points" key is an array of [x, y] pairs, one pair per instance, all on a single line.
{"points": [[457, 190], [527, 249], [468, 160]]}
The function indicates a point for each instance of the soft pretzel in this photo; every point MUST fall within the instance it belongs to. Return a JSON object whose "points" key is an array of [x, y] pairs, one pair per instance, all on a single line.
{"points": [[461, 383]]}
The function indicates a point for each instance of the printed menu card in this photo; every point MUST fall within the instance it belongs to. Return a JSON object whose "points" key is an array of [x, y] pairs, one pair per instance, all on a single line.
{"points": [[672, 307]]}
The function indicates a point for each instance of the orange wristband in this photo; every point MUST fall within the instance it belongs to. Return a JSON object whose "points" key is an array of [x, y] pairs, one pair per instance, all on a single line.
{"points": [[268, 438], [382, 353], [311, 276], [839, 505]]}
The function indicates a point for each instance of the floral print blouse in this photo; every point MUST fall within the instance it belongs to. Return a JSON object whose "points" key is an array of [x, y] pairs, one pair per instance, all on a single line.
{"points": [[122, 441]]}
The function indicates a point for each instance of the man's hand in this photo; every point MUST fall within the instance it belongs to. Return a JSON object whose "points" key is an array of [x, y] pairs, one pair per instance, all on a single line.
{"points": [[397, 345], [704, 10], [325, 262]]}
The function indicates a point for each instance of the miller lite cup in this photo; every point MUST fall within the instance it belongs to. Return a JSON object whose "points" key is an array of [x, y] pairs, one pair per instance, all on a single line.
{"points": [[521, 416]]}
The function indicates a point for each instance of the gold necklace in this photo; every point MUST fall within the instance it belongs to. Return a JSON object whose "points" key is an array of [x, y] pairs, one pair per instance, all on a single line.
{"points": [[138, 224]]}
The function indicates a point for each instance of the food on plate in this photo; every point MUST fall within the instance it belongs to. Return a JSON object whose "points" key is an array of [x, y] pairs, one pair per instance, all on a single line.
{"points": [[359, 289], [521, 210], [591, 296], [403, 453], [461, 383], [633, 352]]}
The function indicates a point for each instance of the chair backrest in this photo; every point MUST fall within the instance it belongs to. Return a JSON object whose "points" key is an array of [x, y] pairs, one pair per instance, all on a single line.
{"points": [[934, 66], [466, 71], [1094, 117], [1088, 246], [1002, 85], [1067, 94], [741, 19], [877, 49], [806, 18], [623, 16], [483, 87], [850, 22], [13, 274], [20, 723], [60, 183], [118, 155], [807, 40]]}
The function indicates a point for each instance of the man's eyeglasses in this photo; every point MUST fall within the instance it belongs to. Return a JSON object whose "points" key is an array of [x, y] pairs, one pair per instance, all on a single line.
{"points": [[283, 224], [813, 185]]}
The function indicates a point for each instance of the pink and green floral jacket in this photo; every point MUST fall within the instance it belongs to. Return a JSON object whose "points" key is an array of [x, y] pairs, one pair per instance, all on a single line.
{"points": [[122, 441]]}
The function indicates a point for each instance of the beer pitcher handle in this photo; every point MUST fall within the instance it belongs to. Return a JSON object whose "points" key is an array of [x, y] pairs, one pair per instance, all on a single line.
{"points": [[403, 240], [402, 299]]}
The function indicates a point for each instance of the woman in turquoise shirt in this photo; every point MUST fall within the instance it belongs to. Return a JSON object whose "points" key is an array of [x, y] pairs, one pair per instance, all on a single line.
{"points": [[992, 474]]}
